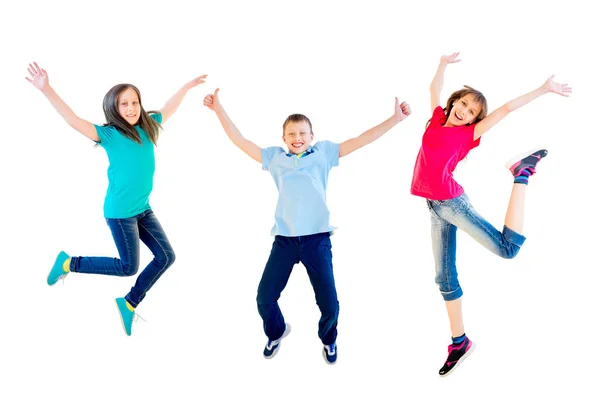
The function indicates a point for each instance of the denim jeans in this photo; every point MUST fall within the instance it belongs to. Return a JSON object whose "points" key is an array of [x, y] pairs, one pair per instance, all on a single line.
{"points": [[127, 234], [446, 217], [314, 252]]}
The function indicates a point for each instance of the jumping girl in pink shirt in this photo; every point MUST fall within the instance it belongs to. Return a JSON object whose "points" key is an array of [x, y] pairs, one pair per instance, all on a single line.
{"points": [[451, 133]]}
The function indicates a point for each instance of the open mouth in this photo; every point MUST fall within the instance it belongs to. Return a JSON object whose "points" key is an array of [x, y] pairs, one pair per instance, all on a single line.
{"points": [[297, 144], [458, 116]]}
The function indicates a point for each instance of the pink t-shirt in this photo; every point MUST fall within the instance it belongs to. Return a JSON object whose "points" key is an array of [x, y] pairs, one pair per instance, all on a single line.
{"points": [[441, 150]]}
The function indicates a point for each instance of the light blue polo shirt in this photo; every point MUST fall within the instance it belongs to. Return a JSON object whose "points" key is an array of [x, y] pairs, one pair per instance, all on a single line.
{"points": [[130, 171], [302, 184]]}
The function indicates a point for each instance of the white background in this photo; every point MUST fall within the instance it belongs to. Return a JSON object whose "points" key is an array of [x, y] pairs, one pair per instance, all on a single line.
{"points": [[534, 318]]}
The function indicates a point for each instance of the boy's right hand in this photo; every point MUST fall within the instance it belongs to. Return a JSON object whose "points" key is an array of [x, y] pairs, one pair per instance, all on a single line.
{"points": [[39, 77], [212, 100]]}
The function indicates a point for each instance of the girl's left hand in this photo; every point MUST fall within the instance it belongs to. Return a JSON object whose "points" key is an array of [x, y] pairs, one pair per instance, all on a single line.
{"points": [[196, 81], [560, 89], [401, 111]]}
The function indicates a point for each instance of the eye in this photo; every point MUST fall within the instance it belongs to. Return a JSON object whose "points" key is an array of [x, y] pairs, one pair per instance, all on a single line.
{"points": [[464, 103], [472, 112]]}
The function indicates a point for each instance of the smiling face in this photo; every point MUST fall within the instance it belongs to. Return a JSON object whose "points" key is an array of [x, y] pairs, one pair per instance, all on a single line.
{"points": [[129, 107], [464, 111], [297, 135]]}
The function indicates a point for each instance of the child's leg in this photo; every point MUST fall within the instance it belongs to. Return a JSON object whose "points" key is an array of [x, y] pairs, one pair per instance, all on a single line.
{"points": [[315, 254], [454, 309], [443, 242], [460, 213], [153, 236], [126, 236], [516, 208], [522, 169], [284, 254]]}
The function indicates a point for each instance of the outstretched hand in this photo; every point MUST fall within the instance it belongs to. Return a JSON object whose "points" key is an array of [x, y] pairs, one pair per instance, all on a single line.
{"points": [[401, 111], [560, 89], [39, 77], [212, 100], [449, 59], [196, 81]]}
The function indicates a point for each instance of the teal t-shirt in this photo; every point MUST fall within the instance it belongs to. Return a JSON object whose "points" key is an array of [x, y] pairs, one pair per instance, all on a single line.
{"points": [[130, 171]]}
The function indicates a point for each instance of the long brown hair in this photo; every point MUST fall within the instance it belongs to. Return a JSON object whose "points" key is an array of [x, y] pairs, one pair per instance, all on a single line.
{"points": [[478, 97], [113, 118]]}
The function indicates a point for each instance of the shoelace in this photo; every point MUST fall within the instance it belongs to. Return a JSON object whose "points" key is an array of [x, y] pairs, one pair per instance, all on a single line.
{"points": [[63, 278], [136, 316]]}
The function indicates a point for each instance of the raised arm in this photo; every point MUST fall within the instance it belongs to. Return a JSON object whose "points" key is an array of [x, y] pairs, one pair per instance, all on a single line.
{"points": [[39, 79], [212, 101], [438, 79], [492, 119], [173, 103], [401, 111]]}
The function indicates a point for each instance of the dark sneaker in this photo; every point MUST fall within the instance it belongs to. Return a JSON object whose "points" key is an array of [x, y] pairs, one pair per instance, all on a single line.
{"points": [[456, 354], [272, 347], [330, 353], [526, 161]]}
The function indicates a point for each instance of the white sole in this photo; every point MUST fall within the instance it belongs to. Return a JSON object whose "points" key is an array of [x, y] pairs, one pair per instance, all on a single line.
{"points": [[523, 155], [462, 358], [288, 329], [325, 357]]}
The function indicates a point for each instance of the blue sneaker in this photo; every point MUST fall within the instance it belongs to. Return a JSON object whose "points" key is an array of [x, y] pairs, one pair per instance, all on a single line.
{"points": [[272, 347], [57, 271], [330, 353], [126, 315]]}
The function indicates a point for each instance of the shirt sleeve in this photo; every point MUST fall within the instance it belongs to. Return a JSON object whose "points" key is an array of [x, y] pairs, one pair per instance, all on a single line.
{"points": [[106, 134], [470, 134], [438, 114], [267, 155], [332, 152], [436, 117], [157, 116]]}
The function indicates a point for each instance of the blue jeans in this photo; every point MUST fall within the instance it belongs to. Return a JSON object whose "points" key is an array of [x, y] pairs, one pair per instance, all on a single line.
{"points": [[314, 251], [127, 234], [446, 217]]}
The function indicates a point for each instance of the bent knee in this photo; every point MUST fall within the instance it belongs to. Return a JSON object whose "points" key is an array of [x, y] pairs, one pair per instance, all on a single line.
{"points": [[510, 252], [166, 259], [130, 269]]}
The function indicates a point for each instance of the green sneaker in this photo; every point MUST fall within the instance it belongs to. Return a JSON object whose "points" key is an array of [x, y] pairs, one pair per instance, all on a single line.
{"points": [[126, 315], [57, 271]]}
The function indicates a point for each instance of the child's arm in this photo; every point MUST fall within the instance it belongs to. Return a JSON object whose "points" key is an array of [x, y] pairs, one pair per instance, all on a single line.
{"points": [[39, 79], [438, 80], [212, 101], [492, 119], [173, 103], [401, 111]]}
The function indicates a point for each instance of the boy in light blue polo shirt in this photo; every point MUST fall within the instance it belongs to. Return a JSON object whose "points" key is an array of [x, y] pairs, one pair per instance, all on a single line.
{"points": [[302, 226]]}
